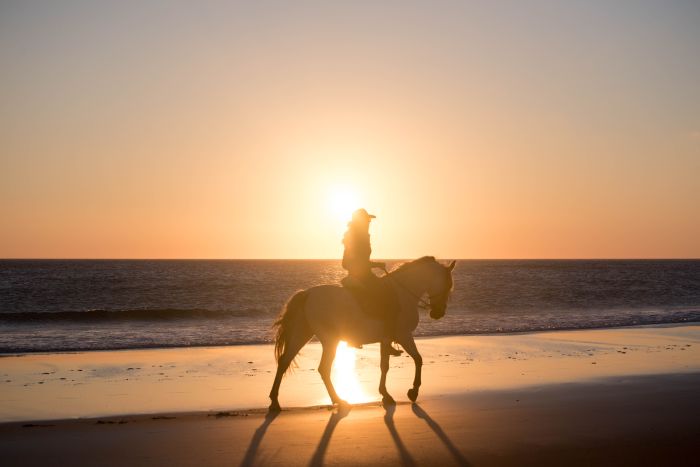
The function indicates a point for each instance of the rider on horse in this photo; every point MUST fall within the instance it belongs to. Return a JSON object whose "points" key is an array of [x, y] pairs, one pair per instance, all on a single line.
{"points": [[360, 276]]}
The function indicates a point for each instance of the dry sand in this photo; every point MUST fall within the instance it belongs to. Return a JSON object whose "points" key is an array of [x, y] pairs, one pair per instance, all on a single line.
{"points": [[598, 397]]}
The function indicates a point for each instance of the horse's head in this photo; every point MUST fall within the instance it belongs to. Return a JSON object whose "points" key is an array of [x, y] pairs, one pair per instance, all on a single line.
{"points": [[430, 277], [440, 288]]}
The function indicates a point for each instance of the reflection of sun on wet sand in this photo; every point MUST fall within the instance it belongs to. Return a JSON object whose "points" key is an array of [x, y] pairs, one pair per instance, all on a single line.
{"points": [[615, 396], [345, 376]]}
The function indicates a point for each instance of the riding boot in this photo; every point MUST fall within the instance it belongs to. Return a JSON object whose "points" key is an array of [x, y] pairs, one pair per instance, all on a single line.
{"points": [[393, 351], [388, 331]]}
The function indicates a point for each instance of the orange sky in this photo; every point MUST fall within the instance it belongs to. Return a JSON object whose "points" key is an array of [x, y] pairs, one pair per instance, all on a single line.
{"points": [[175, 130]]}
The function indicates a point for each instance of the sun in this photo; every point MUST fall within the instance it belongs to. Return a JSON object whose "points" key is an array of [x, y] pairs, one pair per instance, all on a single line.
{"points": [[342, 201]]}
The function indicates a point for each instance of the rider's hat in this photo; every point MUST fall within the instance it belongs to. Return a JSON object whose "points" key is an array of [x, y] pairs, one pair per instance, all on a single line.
{"points": [[362, 214]]}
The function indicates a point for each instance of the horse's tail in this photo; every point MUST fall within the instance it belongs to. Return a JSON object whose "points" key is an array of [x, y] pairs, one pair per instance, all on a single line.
{"points": [[291, 313]]}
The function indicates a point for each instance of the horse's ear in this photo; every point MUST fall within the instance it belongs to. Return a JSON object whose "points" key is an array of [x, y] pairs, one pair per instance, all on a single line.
{"points": [[452, 265]]}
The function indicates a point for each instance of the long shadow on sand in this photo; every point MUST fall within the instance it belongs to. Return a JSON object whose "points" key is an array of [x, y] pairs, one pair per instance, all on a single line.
{"points": [[420, 413], [338, 415], [252, 450], [405, 458]]}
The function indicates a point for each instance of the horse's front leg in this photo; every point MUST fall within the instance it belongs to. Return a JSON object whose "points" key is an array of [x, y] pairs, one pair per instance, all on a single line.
{"points": [[384, 366], [324, 368], [409, 346]]}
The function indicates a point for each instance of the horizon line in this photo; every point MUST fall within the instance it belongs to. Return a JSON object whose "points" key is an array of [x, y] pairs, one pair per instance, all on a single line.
{"points": [[650, 258]]}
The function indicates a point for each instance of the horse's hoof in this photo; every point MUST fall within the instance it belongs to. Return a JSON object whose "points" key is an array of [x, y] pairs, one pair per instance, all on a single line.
{"points": [[343, 407], [388, 400], [274, 408], [342, 404], [413, 394]]}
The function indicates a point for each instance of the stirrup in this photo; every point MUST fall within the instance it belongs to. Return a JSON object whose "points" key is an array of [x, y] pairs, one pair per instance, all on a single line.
{"points": [[394, 352]]}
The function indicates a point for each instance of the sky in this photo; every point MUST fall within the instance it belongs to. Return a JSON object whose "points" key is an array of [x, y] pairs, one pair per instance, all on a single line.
{"points": [[495, 129]]}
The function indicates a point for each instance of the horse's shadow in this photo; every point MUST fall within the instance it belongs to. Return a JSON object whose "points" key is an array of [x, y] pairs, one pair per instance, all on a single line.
{"points": [[458, 457], [337, 416], [252, 450], [317, 459], [404, 456]]}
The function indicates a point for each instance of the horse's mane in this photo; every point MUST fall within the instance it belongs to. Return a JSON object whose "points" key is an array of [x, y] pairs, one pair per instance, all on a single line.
{"points": [[415, 262]]}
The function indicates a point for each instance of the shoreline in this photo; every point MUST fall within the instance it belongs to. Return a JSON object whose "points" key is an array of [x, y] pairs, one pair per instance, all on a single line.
{"points": [[314, 340], [625, 396], [233, 378]]}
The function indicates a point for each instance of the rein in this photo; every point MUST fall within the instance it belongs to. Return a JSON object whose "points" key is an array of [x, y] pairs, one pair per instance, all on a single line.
{"points": [[422, 303]]}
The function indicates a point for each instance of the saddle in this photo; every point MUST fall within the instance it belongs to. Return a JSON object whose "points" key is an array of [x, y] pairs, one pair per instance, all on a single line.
{"points": [[376, 299]]}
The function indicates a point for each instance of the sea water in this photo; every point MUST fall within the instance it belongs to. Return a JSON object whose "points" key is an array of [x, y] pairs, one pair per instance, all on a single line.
{"points": [[62, 305]]}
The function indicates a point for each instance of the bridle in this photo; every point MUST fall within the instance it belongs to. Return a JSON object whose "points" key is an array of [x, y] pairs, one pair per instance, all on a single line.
{"points": [[422, 303]]}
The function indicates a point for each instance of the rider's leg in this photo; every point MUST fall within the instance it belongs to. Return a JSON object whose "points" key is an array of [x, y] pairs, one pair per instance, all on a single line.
{"points": [[390, 331], [391, 350], [389, 309]]}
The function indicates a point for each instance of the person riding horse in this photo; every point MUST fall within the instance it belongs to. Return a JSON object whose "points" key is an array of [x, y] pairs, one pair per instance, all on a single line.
{"points": [[362, 280]]}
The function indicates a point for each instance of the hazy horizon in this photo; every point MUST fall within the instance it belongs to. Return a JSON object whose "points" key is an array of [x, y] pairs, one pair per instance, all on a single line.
{"points": [[339, 259], [509, 130]]}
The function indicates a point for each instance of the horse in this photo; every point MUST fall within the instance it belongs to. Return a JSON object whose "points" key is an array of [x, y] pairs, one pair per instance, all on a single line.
{"points": [[331, 313]]}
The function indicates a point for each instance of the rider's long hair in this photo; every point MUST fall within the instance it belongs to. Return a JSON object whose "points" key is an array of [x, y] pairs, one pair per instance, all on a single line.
{"points": [[288, 317]]}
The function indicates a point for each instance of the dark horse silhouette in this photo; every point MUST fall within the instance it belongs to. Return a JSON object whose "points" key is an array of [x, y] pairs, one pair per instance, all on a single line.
{"points": [[331, 313]]}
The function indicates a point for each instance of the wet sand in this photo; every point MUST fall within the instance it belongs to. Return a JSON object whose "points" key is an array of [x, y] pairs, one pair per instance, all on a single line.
{"points": [[598, 397]]}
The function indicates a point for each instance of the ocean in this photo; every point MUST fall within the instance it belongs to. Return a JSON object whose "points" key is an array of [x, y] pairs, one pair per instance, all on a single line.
{"points": [[71, 305]]}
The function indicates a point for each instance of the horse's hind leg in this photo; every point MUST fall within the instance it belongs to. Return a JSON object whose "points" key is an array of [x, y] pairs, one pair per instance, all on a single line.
{"points": [[292, 349], [324, 369], [282, 365], [384, 365]]}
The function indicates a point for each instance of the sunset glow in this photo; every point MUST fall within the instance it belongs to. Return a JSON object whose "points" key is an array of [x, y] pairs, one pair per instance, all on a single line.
{"points": [[485, 132], [344, 375], [343, 233], [342, 201]]}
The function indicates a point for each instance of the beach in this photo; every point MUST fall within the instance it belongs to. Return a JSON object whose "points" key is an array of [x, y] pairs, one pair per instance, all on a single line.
{"points": [[191, 191], [585, 397]]}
